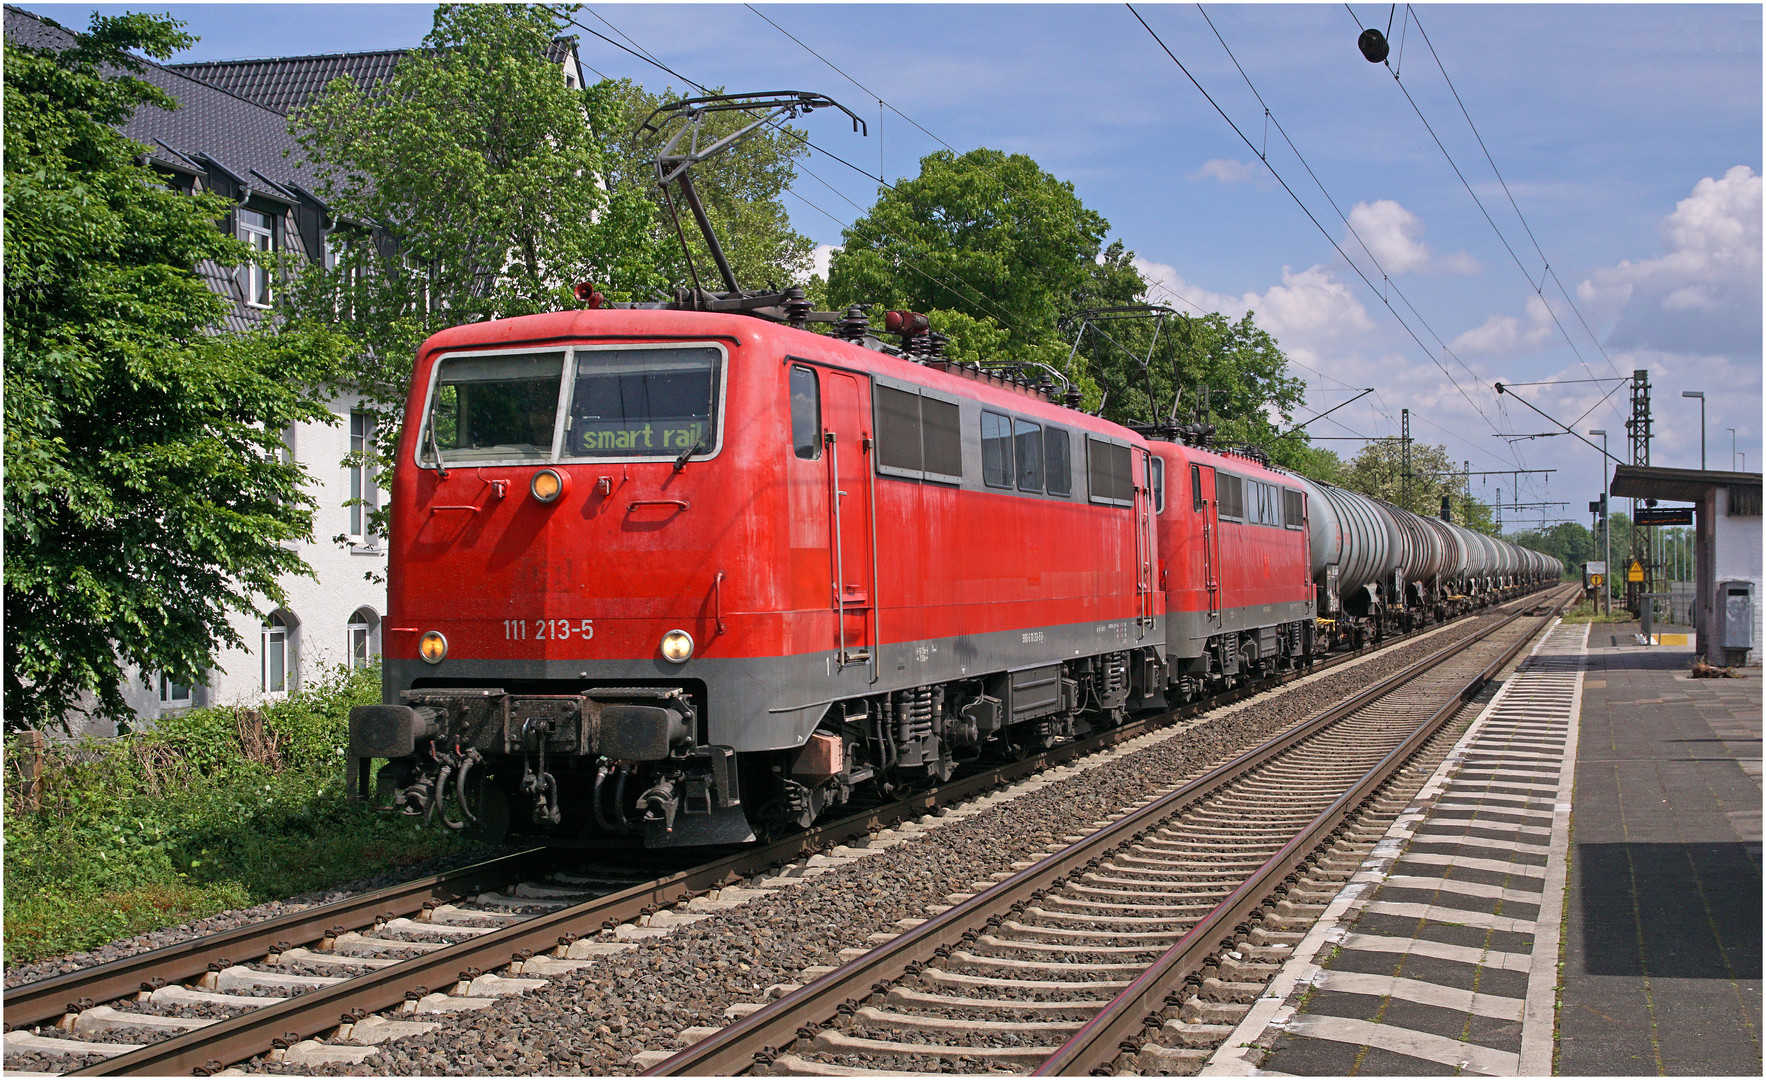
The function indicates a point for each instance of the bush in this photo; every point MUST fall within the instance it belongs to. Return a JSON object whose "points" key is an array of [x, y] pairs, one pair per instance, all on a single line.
{"points": [[212, 809], [1588, 611]]}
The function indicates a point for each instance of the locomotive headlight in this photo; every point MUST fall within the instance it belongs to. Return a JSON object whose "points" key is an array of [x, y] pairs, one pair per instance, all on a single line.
{"points": [[677, 646], [547, 485], [432, 646]]}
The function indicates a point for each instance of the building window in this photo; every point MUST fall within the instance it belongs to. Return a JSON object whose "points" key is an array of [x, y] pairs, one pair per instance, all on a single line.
{"points": [[362, 487], [171, 694], [259, 230], [364, 638], [278, 655]]}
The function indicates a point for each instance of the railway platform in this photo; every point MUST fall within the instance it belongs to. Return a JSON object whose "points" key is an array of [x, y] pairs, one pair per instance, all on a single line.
{"points": [[1576, 890]]}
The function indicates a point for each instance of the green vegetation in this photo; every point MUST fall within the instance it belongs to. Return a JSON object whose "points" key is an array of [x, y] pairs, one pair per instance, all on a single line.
{"points": [[1585, 611], [208, 811], [147, 496]]}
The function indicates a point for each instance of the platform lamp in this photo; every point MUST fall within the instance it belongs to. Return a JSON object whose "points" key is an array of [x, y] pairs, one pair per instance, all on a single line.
{"points": [[1700, 394], [1731, 448], [1606, 519]]}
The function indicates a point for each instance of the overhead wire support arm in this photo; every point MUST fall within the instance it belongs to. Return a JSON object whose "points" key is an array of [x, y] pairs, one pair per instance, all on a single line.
{"points": [[1322, 415], [1502, 388]]}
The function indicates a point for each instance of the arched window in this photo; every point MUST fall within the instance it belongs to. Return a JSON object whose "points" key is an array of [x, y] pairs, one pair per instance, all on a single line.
{"points": [[364, 638], [279, 640]]}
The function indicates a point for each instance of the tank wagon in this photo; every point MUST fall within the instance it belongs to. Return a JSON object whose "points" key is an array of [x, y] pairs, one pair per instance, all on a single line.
{"points": [[680, 577]]}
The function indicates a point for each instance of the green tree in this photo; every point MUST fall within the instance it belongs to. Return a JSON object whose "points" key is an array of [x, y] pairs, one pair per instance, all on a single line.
{"points": [[982, 243], [146, 493], [739, 188], [487, 173], [1378, 470], [1568, 541]]}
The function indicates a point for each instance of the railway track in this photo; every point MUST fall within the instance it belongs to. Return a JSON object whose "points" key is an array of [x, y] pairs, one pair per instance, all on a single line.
{"points": [[1067, 964], [272, 985]]}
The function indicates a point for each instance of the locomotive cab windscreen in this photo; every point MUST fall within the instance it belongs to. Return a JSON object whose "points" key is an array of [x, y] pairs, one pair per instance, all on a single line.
{"points": [[600, 403]]}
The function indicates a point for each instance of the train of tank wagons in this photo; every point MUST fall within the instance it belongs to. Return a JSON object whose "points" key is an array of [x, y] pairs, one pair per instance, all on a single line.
{"points": [[673, 578]]}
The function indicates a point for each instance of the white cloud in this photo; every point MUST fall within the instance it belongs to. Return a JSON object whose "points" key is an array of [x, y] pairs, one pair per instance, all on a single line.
{"points": [[1394, 235], [1306, 312], [1505, 335], [1227, 171], [1703, 296], [822, 257]]}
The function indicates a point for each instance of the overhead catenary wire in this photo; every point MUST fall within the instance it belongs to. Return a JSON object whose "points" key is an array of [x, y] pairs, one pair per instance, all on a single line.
{"points": [[1384, 276], [643, 54], [1309, 214], [1546, 267], [975, 293]]}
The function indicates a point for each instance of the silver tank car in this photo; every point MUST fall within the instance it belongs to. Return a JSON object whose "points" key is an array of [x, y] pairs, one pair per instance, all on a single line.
{"points": [[1372, 559]]}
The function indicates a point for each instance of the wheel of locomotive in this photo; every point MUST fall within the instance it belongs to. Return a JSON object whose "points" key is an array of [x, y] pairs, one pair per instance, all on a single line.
{"points": [[490, 809]]}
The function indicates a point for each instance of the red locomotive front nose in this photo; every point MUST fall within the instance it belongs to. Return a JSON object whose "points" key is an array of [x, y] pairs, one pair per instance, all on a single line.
{"points": [[589, 569]]}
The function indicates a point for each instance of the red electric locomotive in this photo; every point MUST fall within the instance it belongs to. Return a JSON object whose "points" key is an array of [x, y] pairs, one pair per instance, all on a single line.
{"points": [[1236, 568], [679, 577]]}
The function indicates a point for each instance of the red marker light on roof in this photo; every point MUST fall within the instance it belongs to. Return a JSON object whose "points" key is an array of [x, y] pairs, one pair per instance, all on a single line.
{"points": [[905, 322]]}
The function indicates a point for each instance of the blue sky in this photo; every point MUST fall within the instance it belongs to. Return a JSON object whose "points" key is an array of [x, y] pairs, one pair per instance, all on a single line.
{"points": [[1628, 135]]}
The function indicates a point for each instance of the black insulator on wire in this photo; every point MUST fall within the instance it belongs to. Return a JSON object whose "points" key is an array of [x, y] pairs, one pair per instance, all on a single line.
{"points": [[1373, 45]]}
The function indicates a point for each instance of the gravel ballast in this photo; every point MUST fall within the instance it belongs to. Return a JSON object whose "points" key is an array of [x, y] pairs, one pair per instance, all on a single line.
{"points": [[594, 1020]]}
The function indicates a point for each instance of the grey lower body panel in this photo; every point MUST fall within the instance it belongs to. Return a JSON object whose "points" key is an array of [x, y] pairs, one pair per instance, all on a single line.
{"points": [[773, 703], [1187, 632]]}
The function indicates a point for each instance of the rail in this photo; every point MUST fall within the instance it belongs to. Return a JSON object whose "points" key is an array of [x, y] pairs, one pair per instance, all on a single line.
{"points": [[778, 1023], [212, 1047]]}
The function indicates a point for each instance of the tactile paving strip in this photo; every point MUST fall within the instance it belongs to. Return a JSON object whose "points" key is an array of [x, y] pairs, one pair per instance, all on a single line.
{"points": [[1440, 955]]}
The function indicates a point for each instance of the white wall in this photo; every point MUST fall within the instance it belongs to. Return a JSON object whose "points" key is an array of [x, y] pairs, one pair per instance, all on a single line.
{"points": [[319, 609], [1736, 556]]}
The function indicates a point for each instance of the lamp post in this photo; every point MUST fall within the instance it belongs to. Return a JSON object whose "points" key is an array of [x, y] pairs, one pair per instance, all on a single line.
{"points": [[1731, 448], [1606, 521], [1700, 394]]}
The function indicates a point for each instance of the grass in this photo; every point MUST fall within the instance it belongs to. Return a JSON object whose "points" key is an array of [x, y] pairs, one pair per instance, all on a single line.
{"points": [[1584, 611], [208, 811]]}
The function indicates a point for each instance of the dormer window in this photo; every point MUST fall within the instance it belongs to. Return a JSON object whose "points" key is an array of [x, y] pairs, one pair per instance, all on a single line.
{"points": [[259, 230]]}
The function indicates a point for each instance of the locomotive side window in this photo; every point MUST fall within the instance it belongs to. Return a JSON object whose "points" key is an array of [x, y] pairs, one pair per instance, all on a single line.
{"points": [[494, 407], [806, 414], [1027, 437], [644, 402], [1293, 509], [1196, 489], [898, 429], [942, 434], [918, 435], [1157, 465], [1109, 472], [1229, 493], [1058, 455], [996, 450]]}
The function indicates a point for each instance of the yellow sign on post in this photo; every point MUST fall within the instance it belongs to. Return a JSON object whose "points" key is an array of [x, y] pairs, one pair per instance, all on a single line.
{"points": [[1636, 571], [1597, 580]]}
